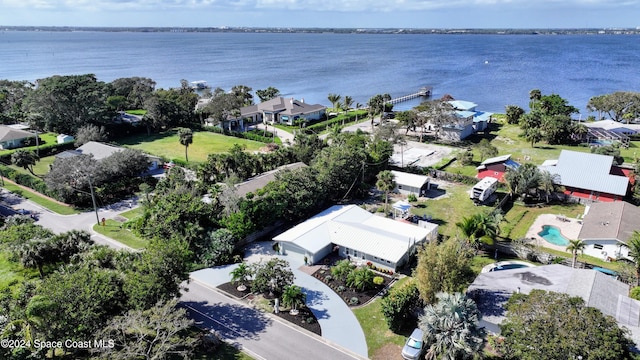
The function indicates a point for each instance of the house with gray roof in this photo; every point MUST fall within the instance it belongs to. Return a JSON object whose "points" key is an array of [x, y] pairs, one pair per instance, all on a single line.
{"points": [[606, 227], [282, 110], [353, 232], [101, 151], [11, 138], [491, 291], [588, 177], [259, 181]]}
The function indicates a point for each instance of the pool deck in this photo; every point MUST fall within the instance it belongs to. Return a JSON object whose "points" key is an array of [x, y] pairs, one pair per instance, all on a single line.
{"points": [[569, 229]]}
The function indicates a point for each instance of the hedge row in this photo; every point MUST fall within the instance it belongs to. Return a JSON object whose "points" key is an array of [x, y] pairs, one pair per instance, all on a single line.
{"points": [[242, 135], [346, 118], [29, 181], [44, 151]]}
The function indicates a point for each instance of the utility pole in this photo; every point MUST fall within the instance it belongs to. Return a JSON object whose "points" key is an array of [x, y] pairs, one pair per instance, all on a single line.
{"points": [[93, 199]]}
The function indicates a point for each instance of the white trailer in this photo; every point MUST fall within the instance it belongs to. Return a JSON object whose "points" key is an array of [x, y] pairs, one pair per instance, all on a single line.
{"points": [[483, 190]]}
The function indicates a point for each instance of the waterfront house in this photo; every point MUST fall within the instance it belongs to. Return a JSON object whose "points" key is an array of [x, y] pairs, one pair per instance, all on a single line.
{"points": [[11, 138], [589, 177], [355, 233], [496, 167], [282, 110], [481, 119], [606, 227]]}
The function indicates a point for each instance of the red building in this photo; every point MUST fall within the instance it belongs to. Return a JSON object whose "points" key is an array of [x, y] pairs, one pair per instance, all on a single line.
{"points": [[496, 167], [589, 176]]}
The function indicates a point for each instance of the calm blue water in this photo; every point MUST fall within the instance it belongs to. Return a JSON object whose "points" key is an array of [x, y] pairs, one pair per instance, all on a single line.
{"points": [[491, 70], [553, 235]]}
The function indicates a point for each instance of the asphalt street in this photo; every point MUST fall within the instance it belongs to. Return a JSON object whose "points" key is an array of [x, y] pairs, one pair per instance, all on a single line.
{"points": [[260, 335]]}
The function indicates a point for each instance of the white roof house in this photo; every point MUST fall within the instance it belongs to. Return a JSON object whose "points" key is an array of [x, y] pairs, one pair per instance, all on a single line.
{"points": [[357, 234], [410, 183]]}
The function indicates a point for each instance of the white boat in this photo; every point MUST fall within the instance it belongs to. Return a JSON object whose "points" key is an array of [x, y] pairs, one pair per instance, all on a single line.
{"points": [[199, 85]]}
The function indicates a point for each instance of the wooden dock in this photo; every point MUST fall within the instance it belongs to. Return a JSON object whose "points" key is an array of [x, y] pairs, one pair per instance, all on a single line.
{"points": [[423, 92]]}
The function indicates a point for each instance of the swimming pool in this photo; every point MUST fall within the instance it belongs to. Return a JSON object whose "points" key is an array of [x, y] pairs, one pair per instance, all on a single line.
{"points": [[553, 235], [506, 265]]}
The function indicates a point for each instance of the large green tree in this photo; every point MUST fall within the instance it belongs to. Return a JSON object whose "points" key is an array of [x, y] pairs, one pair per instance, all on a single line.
{"points": [[65, 103], [442, 268], [547, 325], [616, 105], [272, 276], [450, 328], [25, 159], [633, 246], [268, 93], [399, 304]]}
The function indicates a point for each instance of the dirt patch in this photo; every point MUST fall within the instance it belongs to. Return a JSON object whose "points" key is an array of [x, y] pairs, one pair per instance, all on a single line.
{"points": [[388, 352]]}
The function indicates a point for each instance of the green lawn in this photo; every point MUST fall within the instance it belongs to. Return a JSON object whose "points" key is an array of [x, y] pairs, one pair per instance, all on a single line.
{"points": [[375, 328], [47, 138], [12, 272], [133, 213], [40, 168], [204, 143], [508, 141], [40, 200], [139, 112], [114, 230], [519, 218], [450, 208]]}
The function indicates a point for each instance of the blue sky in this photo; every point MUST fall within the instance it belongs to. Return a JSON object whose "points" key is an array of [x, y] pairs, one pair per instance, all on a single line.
{"points": [[324, 13]]}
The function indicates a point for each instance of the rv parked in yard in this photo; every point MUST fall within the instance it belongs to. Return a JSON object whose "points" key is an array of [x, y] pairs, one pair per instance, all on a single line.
{"points": [[483, 190]]}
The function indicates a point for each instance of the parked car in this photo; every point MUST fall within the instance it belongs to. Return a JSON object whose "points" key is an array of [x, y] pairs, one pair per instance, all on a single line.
{"points": [[414, 346]]}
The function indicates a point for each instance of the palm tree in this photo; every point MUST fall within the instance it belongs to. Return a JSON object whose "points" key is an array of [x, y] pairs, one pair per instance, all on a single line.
{"points": [[348, 102], [386, 183], [534, 96], [480, 228], [241, 274], [576, 246], [633, 244], [533, 134], [333, 99], [360, 279], [293, 297], [548, 183], [335, 134], [25, 159], [185, 136], [450, 328], [29, 320], [357, 106]]}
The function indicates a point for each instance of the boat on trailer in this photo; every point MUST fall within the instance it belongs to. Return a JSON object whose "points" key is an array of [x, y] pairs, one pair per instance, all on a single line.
{"points": [[200, 85]]}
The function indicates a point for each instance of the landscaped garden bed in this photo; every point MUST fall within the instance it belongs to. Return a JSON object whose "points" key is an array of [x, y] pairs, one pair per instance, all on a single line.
{"points": [[373, 283], [305, 318]]}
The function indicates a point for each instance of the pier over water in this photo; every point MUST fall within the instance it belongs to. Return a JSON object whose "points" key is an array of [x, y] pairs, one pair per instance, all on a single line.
{"points": [[423, 92]]}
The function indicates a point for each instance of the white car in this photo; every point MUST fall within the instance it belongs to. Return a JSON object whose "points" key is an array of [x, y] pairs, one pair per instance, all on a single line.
{"points": [[412, 349]]}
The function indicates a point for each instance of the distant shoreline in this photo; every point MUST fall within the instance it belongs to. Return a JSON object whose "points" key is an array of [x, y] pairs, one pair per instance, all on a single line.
{"points": [[435, 31]]}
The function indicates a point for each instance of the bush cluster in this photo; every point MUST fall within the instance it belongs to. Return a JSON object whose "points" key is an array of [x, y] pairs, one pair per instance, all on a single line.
{"points": [[249, 135]]}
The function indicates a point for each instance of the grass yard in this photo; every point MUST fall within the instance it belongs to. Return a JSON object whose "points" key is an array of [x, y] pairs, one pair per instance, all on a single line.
{"points": [[133, 213], [204, 143], [41, 167], [40, 200], [114, 230], [375, 328], [508, 141], [139, 112], [450, 208], [519, 218], [12, 272]]}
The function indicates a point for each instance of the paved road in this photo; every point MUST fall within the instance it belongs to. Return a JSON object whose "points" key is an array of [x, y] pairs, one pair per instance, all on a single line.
{"points": [[255, 332], [63, 223]]}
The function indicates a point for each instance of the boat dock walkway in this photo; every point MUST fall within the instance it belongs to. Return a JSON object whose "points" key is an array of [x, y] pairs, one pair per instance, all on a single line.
{"points": [[423, 92]]}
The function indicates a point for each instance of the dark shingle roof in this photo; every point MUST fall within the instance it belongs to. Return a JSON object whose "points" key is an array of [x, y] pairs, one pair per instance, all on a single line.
{"points": [[611, 220]]}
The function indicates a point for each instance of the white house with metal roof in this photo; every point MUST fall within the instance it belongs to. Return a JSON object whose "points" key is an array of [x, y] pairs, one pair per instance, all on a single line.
{"points": [[607, 226], [588, 176], [355, 233], [407, 183]]}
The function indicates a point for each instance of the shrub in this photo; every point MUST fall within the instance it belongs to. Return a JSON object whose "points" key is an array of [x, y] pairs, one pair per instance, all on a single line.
{"points": [[412, 197], [341, 288], [635, 293], [354, 301], [378, 280], [328, 278], [310, 320]]}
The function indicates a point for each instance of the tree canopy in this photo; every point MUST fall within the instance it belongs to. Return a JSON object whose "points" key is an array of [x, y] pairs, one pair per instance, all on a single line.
{"points": [[547, 325]]}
